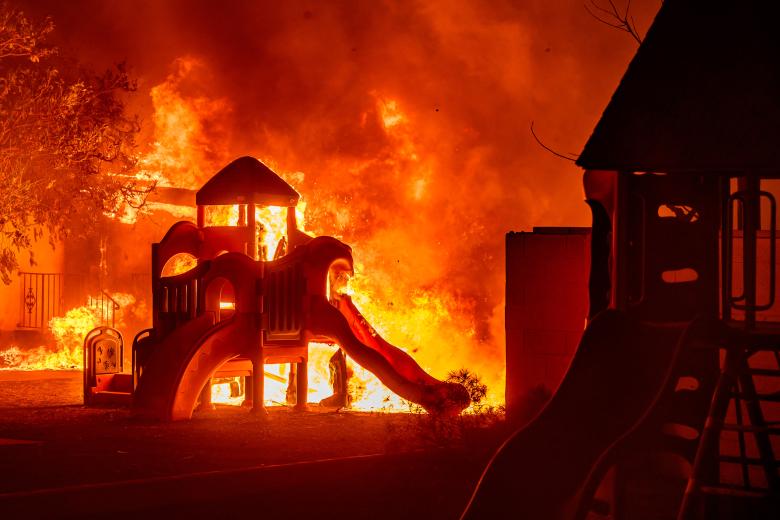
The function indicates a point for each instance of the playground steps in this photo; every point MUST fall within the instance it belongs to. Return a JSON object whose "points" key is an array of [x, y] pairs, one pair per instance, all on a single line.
{"points": [[756, 488]]}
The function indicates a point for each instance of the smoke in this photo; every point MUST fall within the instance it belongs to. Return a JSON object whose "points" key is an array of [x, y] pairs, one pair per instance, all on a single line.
{"points": [[405, 126]]}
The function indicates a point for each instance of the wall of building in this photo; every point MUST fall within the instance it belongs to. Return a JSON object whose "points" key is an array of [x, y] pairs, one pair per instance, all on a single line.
{"points": [[546, 309], [48, 259]]}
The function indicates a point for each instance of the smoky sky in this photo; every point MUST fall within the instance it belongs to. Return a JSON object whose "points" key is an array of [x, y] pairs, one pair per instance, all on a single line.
{"points": [[484, 67]]}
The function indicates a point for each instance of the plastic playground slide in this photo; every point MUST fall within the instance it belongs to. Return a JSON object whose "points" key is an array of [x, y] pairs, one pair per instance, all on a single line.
{"points": [[394, 367], [545, 468]]}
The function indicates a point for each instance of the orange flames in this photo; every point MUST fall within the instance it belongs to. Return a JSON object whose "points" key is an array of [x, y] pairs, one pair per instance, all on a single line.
{"points": [[390, 206], [400, 283], [67, 332], [367, 393], [271, 223], [178, 264]]}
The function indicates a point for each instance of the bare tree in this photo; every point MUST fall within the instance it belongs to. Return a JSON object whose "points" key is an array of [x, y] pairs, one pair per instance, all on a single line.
{"points": [[565, 155], [66, 142], [612, 16]]}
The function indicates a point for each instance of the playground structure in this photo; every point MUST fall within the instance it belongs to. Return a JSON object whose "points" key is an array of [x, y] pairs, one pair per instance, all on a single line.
{"points": [[669, 405], [237, 309]]}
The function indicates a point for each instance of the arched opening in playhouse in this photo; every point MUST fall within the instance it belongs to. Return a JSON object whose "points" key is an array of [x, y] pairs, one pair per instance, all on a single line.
{"points": [[178, 264], [221, 299]]}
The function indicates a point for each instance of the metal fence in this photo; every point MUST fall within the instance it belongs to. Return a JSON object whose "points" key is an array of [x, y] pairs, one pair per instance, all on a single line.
{"points": [[41, 298], [107, 307]]}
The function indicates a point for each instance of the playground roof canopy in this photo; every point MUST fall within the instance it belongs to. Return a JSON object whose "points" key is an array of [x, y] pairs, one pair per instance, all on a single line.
{"points": [[702, 94], [246, 180]]}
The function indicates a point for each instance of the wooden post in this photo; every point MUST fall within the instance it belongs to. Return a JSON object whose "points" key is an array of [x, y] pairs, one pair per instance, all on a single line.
{"points": [[248, 392], [156, 300], [292, 223], [251, 233], [258, 380], [302, 390], [201, 216]]}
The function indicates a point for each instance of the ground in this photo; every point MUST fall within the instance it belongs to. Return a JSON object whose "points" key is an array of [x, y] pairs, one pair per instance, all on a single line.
{"points": [[61, 459]]}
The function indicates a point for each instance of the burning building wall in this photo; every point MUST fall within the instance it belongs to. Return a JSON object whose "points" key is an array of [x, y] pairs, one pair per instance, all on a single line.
{"points": [[403, 127]]}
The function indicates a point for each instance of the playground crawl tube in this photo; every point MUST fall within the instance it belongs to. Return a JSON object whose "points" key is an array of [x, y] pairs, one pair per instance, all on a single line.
{"points": [[394, 367]]}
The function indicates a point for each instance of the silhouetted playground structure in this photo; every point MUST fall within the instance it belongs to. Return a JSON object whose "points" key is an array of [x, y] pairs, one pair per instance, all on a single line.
{"points": [[682, 348]]}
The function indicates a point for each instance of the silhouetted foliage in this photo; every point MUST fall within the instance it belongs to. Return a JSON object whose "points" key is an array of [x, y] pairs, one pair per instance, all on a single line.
{"points": [[66, 142], [477, 390]]}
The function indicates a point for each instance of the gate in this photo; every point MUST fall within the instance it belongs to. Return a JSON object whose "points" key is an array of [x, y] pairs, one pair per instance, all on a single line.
{"points": [[40, 299]]}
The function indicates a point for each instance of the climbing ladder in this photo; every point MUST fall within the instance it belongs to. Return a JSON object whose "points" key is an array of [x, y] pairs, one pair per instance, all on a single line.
{"points": [[707, 491], [738, 406]]}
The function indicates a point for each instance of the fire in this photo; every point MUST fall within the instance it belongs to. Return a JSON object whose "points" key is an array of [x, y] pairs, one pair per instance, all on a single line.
{"points": [[67, 347], [422, 276], [404, 282], [271, 224], [227, 391], [435, 325], [178, 264], [181, 149], [390, 113], [366, 392]]}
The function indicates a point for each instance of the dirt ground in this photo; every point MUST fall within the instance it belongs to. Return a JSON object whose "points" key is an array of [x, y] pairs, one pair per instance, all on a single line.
{"points": [[61, 459]]}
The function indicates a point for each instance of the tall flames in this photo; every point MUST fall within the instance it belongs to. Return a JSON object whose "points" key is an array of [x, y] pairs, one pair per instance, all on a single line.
{"points": [[402, 283], [404, 125], [423, 277]]}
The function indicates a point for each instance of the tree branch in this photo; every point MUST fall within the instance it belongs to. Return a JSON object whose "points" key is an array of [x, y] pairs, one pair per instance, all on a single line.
{"points": [[614, 18], [569, 156]]}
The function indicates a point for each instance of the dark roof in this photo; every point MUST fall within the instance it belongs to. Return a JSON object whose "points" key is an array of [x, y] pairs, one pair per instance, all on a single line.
{"points": [[246, 180], [701, 94]]}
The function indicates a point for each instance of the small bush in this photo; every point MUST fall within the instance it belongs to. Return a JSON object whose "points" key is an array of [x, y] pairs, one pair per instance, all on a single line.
{"points": [[477, 390]]}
